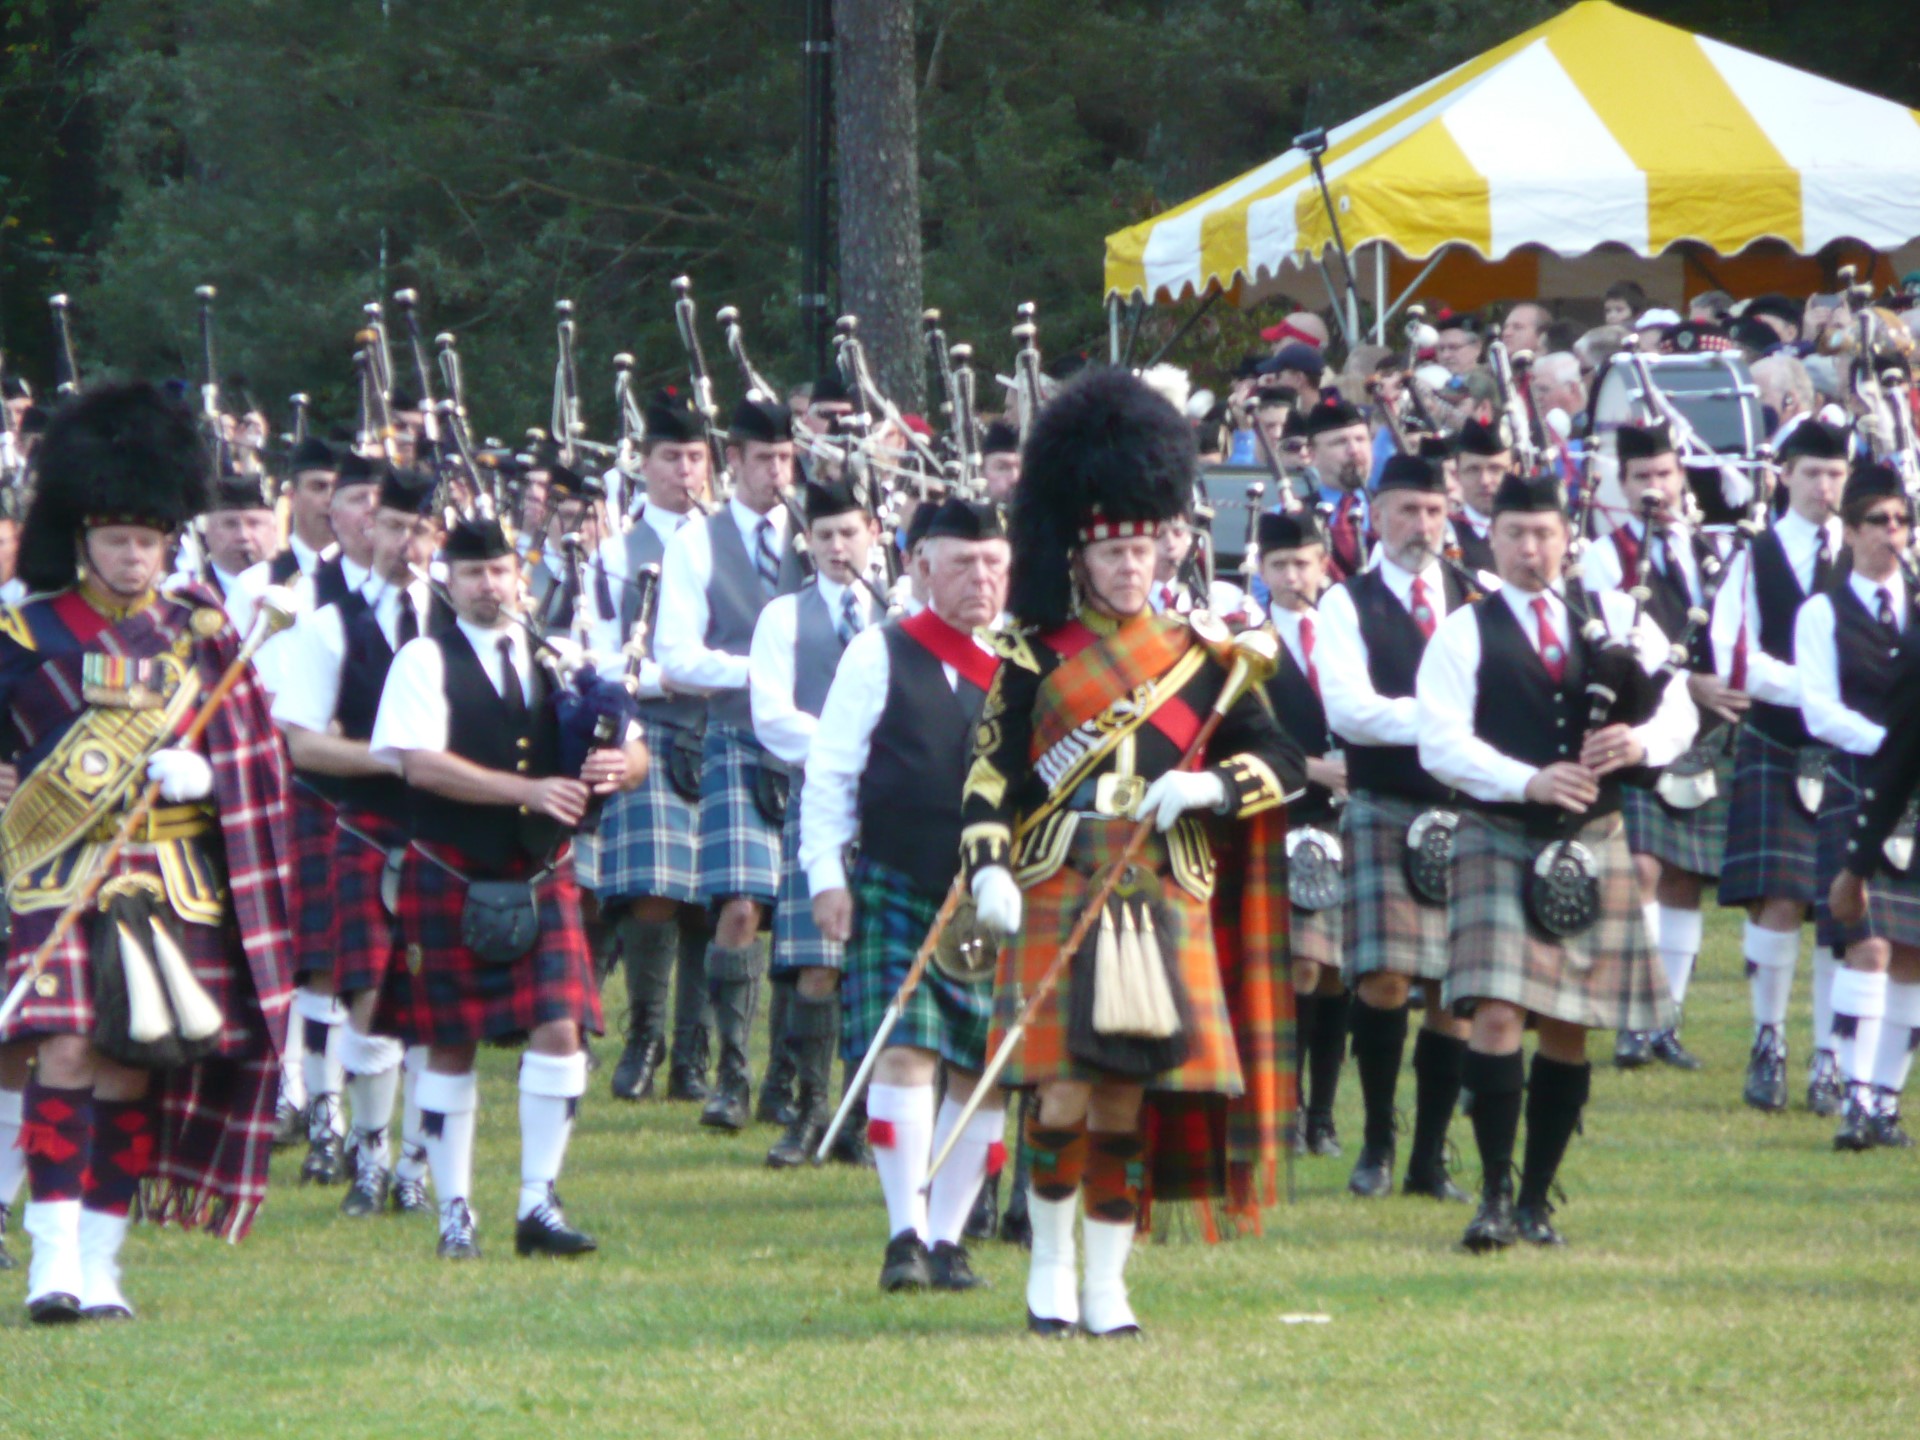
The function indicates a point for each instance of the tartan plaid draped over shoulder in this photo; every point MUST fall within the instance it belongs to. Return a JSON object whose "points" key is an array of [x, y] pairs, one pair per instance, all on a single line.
{"points": [[1202, 1147]]}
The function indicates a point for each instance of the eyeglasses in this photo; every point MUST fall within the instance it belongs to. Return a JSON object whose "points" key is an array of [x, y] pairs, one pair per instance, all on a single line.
{"points": [[1886, 520]]}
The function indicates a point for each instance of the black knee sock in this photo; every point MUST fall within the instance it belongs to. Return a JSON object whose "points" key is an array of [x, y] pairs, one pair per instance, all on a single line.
{"points": [[1496, 1082], [1305, 1007], [1327, 1050], [1437, 1062], [1556, 1093], [1379, 1042]]}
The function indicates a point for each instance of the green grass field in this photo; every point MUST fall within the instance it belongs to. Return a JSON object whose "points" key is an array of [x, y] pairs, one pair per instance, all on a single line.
{"points": [[1728, 1275]]}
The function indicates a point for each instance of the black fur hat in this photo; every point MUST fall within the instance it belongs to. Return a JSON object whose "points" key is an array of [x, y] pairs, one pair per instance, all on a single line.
{"points": [[1107, 456], [120, 453]]}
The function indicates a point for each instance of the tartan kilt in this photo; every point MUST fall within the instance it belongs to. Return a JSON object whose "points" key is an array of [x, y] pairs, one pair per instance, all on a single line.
{"points": [[458, 1000], [797, 941], [1771, 841], [310, 903], [739, 849], [1893, 899], [891, 918], [1316, 935], [370, 949], [60, 1000], [1689, 840], [1051, 907], [1386, 926], [649, 841], [1606, 979]]}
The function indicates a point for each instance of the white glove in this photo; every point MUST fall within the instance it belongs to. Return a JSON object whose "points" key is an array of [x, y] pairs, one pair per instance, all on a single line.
{"points": [[183, 775], [1179, 791], [996, 899]]}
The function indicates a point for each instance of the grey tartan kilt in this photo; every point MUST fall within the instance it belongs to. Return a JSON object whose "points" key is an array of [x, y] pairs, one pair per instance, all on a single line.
{"points": [[1689, 840], [649, 837], [1316, 935], [739, 847], [1893, 899], [1606, 979], [797, 941], [1771, 841], [1386, 927]]}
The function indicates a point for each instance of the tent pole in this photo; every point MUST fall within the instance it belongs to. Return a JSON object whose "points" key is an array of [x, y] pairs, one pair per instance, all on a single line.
{"points": [[1113, 329], [1185, 325], [1139, 308], [1333, 299], [1379, 292], [1407, 294]]}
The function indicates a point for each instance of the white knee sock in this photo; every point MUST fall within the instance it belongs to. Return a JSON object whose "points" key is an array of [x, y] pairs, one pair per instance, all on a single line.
{"points": [[293, 1062], [448, 1103], [13, 1160], [413, 1145], [1825, 967], [900, 1127], [1859, 1003], [1772, 954], [372, 1064], [321, 1067], [957, 1185], [550, 1091], [1679, 944], [1898, 1033], [1650, 912]]}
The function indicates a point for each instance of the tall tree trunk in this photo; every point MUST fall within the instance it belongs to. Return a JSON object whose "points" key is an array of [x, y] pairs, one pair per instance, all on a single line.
{"points": [[876, 107]]}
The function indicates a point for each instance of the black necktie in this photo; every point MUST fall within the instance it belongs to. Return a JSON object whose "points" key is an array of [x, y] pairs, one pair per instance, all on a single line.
{"points": [[1884, 609], [511, 691], [602, 593], [409, 622], [1822, 562]]}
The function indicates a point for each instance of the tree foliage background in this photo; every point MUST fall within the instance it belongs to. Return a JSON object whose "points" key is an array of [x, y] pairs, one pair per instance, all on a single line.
{"points": [[306, 158]]}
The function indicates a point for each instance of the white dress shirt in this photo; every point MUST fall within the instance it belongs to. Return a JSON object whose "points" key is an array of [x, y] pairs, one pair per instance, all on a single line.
{"points": [[413, 706], [1449, 685], [1356, 712], [830, 800], [782, 726], [1817, 657], [1286, 624], [681, 638], [1600, 567], [1736, 609]]}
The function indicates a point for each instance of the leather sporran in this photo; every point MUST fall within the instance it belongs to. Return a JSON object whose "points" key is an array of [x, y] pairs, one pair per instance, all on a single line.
{"points": [[500, 921], [1429, 855], [150, 1011], [685, 755], [772, 787], [1129, 1014], [1562, 889]]}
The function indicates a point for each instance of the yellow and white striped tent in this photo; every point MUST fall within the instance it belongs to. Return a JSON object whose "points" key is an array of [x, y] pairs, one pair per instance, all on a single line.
{"points": [[1543, 166]]}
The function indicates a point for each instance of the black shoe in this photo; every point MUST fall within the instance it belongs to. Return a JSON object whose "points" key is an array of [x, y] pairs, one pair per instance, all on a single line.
{"points": [[684, 1082], [544, 1231], [1633, 1049], [1857, 1129], [1016, 1228], [1534, 1224], [1372, 1176], [850, 1147], [773, 1108], [1888, 1132], [639, 1063], [1668, 1050], [907, 1265], [289, 1125], [409, 1197], [326, 1162], [1051, 1329], [1493, 1224], [368, 1193], [457, 1238], [1322, 1139], [7, 1262], [797, 1146], [1766, 1087], [952, 1269], [1826, 1091], [726, 1109], [984, 1218], [1435, 1183], [59, 1308]]}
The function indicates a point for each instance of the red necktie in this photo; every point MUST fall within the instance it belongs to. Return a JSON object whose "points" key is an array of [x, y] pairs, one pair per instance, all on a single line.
{"points": [[1552, 654], [1422, 611], [1306, 650], [1346, 535]]}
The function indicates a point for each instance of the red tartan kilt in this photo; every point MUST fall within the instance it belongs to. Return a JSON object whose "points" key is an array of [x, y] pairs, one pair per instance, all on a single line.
{"points": [[458, 999], [310, 901], [368, 945]]}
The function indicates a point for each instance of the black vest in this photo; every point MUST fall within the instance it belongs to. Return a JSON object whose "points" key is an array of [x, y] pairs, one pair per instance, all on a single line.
{"points": [[1521, 713], [917, 765], [283, 567], [1298, 708], [1394, 647], [1777, 597], [1476, 552], [347, 789], [363, 674], [1669, 598], [1871, 656], [493, 837], [330, 583]]}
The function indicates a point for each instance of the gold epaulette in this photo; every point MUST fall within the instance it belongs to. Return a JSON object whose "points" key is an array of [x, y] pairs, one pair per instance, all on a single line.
{"points": [[13, 625], [1011, 645]]}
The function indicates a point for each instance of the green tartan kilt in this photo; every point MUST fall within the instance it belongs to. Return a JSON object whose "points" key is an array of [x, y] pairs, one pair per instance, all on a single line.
{"points": [[1608, 978], [890, 922], [1691, 840], [1386, 926]]}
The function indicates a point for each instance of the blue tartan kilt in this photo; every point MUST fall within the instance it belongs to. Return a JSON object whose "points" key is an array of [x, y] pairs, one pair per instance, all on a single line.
{"points": [[739, 847], [891, 918], [310, 899], [1689, 840], [1771, 841], [649, 840], [797, 941], [1893, 899]]}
